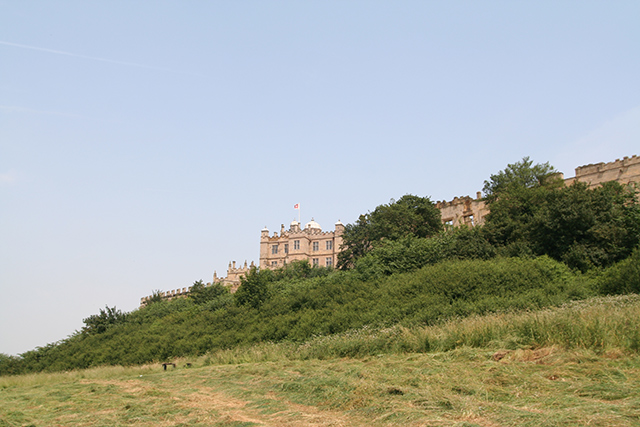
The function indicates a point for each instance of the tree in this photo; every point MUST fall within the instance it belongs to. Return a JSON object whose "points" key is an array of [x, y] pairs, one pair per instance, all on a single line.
{"points": [[99, 323], [156, 296], [533, 213], [253, 289], [201, 293], [300, 269], [518, 176], [409, 216], [588, 227], [514, 197]]}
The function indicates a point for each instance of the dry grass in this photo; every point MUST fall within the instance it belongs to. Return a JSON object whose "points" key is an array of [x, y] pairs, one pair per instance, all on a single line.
{"points": [[466, 387]]}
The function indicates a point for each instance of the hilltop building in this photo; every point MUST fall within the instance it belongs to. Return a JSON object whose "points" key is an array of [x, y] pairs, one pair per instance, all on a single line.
{"points": [[321, 248]]}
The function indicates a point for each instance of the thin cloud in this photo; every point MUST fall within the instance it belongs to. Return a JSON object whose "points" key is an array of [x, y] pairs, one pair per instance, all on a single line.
{"points": [[16, 109], [8, 178], [95, 58]]}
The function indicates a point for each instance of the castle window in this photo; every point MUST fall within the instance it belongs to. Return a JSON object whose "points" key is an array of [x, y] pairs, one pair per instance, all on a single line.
{"points": [[286, 248], [316, 246], [296, 245], [274, 263], [274, 249], [329, 245], [315, 261], [329, 262]]}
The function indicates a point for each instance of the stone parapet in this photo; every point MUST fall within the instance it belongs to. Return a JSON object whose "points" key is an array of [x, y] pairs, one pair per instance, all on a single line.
{"points": [[623, 170]]}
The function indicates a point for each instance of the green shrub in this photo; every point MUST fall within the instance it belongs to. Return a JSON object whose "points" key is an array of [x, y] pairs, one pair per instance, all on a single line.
{"points": [[623, 277]]}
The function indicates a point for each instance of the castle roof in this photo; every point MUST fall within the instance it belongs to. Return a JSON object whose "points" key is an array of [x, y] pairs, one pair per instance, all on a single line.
{"points": [[312, 224]]}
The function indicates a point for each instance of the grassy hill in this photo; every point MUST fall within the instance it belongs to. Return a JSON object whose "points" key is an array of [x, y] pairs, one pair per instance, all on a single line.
{"points": [[297, 305], [576, 364]]}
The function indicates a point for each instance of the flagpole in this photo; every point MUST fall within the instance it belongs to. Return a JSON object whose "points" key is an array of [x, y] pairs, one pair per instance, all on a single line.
{"points": [[297, 207]]}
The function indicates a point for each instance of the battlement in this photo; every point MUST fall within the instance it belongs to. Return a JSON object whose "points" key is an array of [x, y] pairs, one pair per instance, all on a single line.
{"points": [[232, 281], [623, 170], [168, 295]]}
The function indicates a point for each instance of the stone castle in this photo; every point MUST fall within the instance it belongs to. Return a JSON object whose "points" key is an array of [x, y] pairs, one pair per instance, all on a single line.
{"points": [[321, 248], [310, 243]]}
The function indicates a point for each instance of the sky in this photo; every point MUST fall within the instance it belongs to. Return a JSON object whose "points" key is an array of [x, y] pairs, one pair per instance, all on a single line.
{"points": [[145, 144]]}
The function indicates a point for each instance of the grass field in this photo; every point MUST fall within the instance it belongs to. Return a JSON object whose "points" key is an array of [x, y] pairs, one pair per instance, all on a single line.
{"points": [[501, 381]]}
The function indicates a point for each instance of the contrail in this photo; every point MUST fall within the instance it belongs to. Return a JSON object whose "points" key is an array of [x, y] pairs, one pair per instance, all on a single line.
{"points": [[95, 58]]}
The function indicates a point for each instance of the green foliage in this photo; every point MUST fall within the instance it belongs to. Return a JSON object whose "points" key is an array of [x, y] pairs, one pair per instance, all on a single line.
{"points": [[254, 290], [411, 253], [156, 296], [298, 270], [518, 176], [10, 365], [622, 278], [588, 228], [99, 323], [202, 294], [585, 228], [409, 216], [298, 309], [406, 272]]}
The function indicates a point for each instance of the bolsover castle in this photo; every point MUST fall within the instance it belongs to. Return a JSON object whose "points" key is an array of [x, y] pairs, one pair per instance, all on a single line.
{"points": [[321, 248]]}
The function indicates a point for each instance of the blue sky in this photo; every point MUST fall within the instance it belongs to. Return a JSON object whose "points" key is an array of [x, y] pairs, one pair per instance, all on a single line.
{"points": [[145, 144]]}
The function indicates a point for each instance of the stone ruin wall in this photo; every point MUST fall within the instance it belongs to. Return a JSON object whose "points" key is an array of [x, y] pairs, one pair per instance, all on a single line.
{"points": [[624, 171], [463, 211]]}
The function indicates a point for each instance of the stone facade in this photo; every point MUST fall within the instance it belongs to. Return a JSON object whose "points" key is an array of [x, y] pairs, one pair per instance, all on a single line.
{"points": [[309, 243], [624, 171], [463, 211]]}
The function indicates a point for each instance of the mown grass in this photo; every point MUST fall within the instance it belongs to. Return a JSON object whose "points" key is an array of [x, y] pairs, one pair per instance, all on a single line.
{"points": [[573, 365]]}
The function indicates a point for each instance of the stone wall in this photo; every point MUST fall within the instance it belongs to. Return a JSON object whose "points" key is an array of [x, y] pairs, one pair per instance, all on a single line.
{"points": [[463, 211], [624, 171]]}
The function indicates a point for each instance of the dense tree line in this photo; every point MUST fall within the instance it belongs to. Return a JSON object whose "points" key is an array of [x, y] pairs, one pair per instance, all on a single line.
{"points": [[531, 213]]}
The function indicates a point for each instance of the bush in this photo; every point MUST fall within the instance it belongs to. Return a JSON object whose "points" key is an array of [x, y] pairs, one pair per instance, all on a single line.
{"points": [[622, 278]]}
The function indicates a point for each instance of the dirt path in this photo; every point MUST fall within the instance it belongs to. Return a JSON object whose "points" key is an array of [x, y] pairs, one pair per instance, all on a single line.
{"points": [[206, 405]]}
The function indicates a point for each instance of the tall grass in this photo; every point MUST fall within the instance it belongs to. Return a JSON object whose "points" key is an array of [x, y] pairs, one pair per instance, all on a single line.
{"points": [[600, 324]]}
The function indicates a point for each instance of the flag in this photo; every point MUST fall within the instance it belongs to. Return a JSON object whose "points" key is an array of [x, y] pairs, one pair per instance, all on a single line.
{"points": [[296, 206]]}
